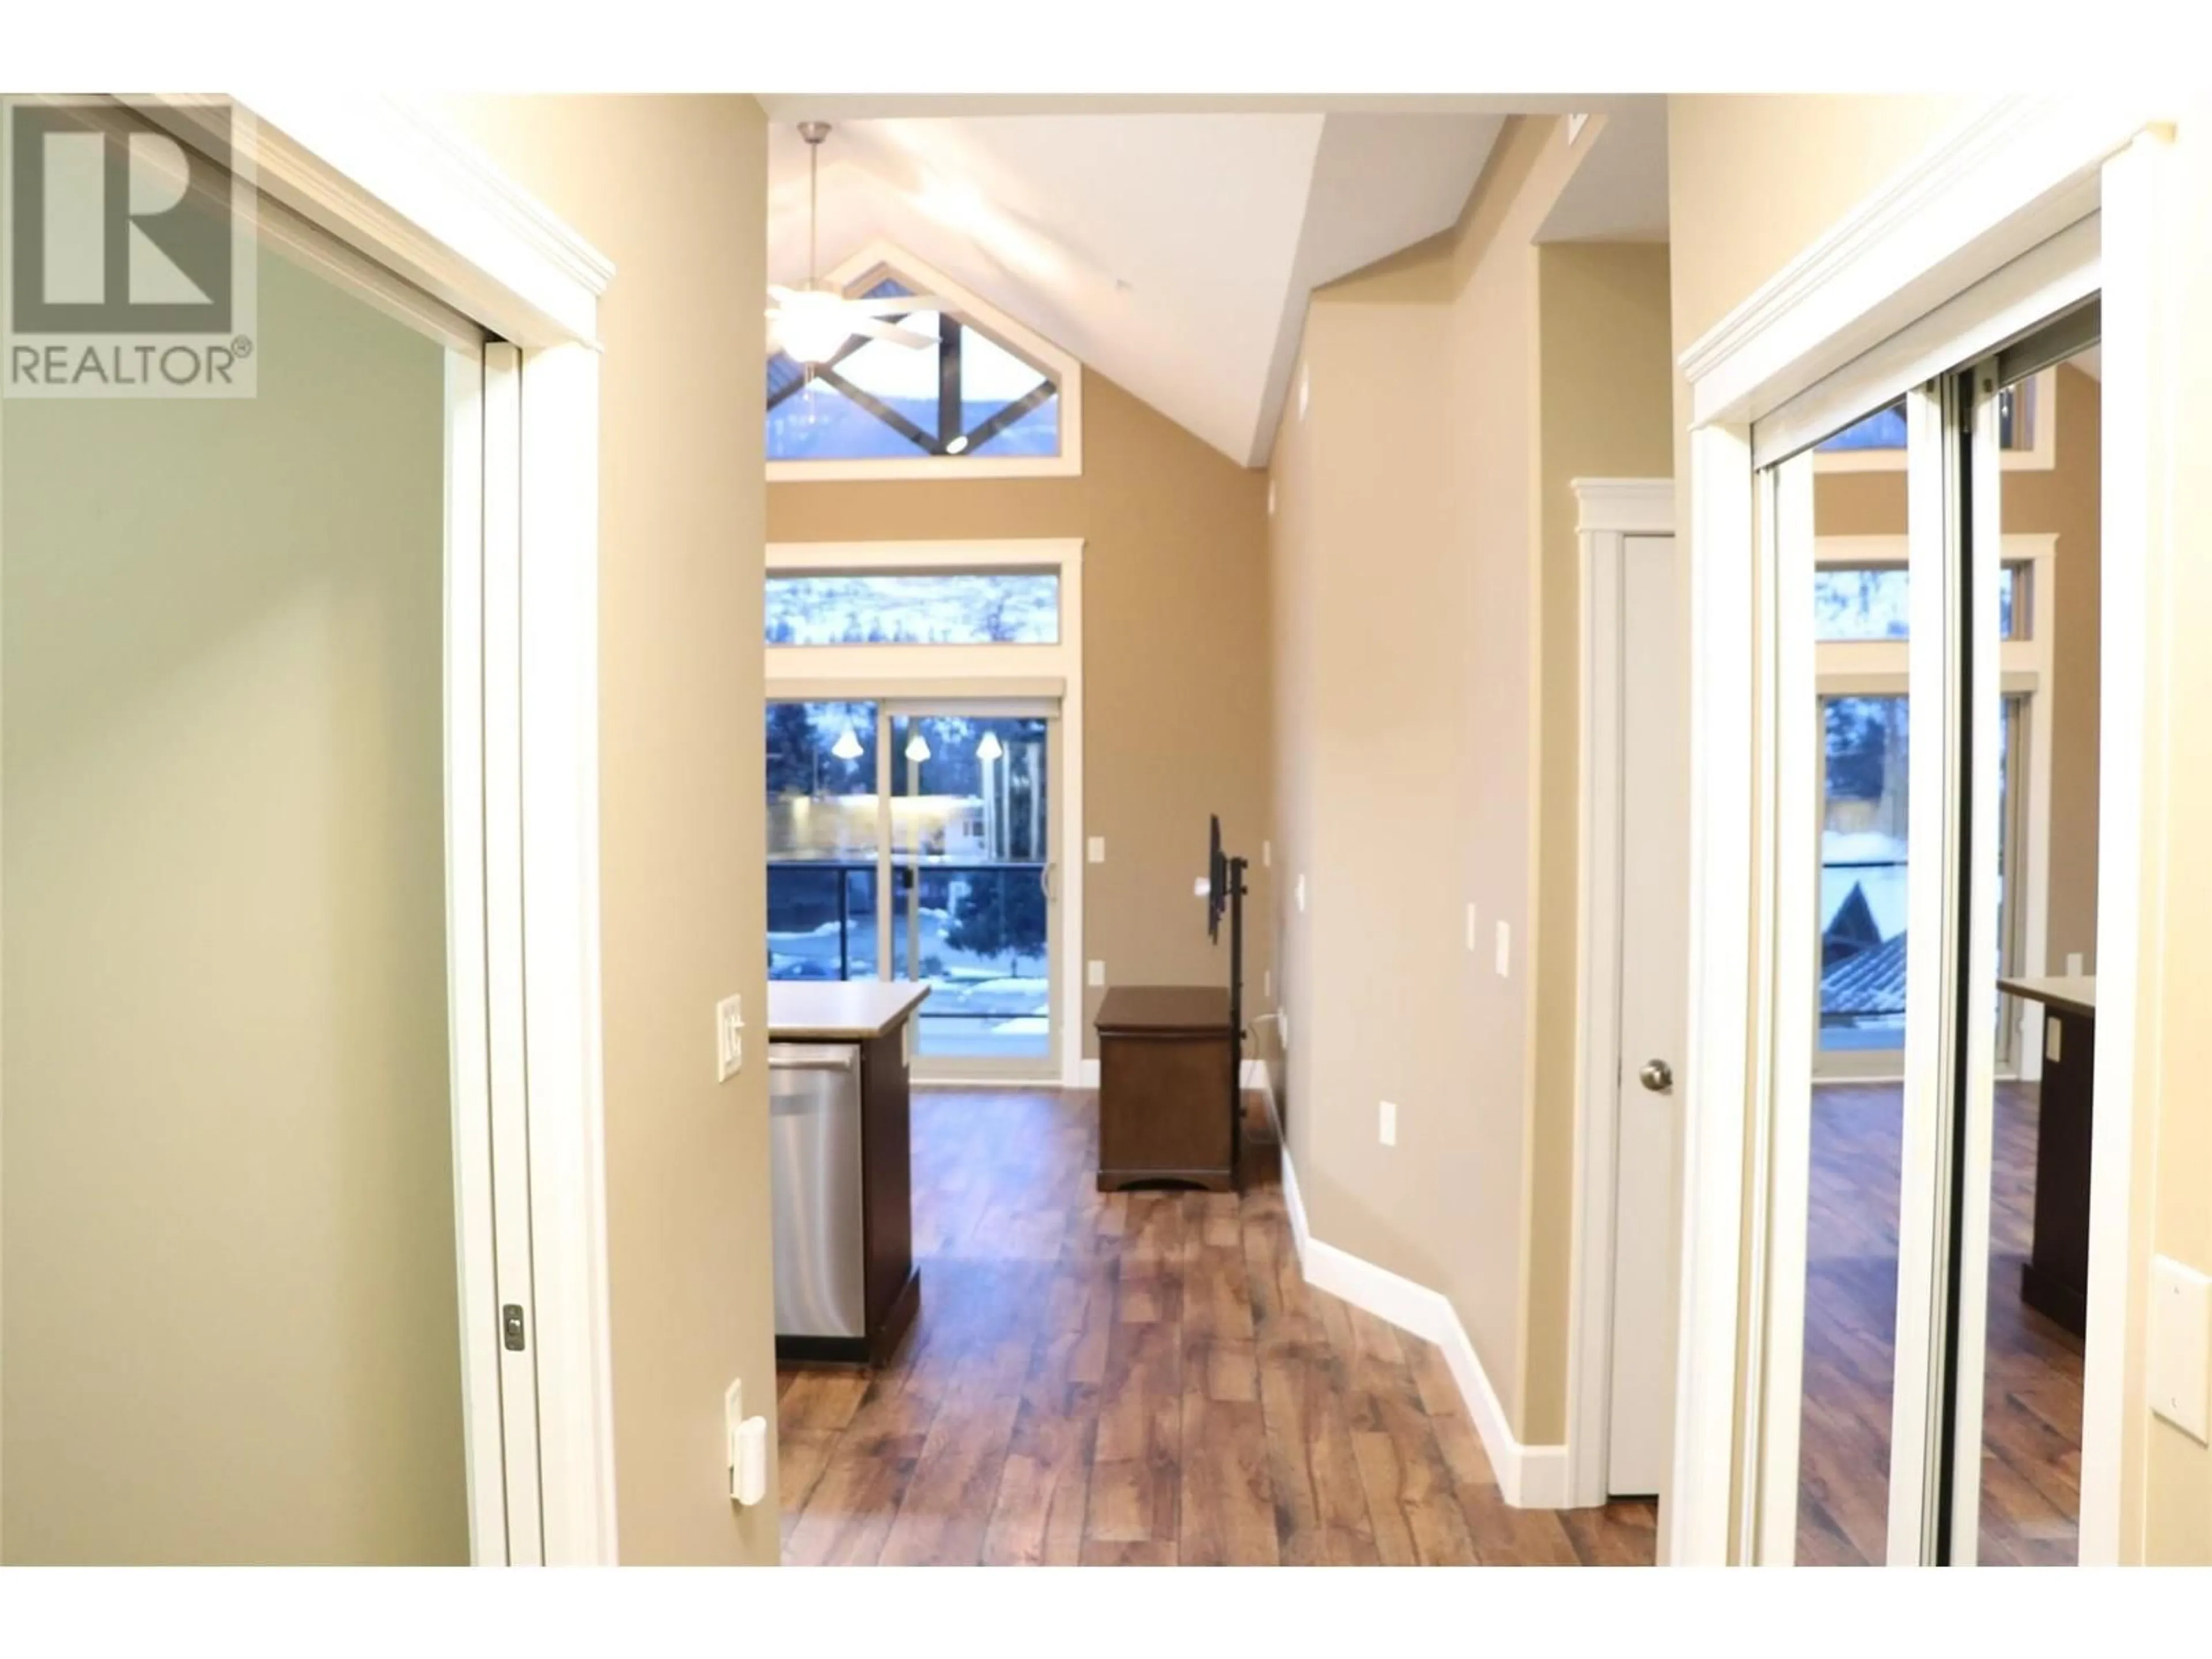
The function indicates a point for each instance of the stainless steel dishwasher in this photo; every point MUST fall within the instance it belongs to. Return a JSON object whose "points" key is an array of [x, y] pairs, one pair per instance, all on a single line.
{"points": [[814, 1145]]}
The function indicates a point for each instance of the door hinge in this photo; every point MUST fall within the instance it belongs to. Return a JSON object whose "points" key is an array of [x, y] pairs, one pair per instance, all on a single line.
{"points": [[510, 1323]]}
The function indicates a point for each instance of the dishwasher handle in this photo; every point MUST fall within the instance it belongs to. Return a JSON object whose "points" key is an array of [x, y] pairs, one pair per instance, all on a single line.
{"points": [[814, 1060]]}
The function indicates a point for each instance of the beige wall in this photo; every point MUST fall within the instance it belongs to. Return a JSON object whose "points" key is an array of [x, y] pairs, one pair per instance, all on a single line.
{"points": [[2064, 500], [1605, 412], [1425, 594], [1174, 663], [231, 1332], [673, 190]]}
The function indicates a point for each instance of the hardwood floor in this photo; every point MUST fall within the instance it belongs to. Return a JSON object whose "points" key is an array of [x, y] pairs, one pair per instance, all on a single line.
{"points": [[2031, 1418], [1140, 1379]]}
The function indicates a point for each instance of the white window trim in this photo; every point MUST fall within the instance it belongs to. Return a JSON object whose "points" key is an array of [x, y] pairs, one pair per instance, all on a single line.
{"points": [[1068, 463], [2040, 456], [964, 672], [1881, 668], [396, 186], [2016, 172]]}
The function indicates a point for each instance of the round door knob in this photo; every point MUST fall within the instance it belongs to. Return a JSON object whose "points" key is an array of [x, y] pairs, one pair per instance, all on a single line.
{"points": [[1657, 1076]]}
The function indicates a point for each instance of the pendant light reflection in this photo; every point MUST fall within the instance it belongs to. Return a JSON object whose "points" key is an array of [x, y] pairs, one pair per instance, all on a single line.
{"points": [[917, 746], [847, 747], [990, 748]]}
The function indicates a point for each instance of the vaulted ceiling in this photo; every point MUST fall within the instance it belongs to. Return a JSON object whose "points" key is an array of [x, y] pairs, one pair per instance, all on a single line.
{"points": [[1171, 247]]}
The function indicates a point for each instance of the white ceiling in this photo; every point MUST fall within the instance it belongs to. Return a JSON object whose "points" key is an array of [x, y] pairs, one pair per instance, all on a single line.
{"points": [[1171, 252], [1619, 193]]}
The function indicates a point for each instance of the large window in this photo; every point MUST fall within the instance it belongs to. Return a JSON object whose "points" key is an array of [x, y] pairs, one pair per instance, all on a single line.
{"points": [[967, 607], [980, 396]]}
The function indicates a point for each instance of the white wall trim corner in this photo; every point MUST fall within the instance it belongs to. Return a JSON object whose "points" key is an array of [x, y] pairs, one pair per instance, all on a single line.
{"points": [[1529, 1477], [1624, 506]]}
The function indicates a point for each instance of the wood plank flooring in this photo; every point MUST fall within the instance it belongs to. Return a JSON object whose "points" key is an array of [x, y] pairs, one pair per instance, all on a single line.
{"points": [[2031, 1418], [1140, 1379]]}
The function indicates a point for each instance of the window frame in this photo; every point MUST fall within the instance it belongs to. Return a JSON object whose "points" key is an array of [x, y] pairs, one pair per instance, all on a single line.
{"points": [[2040, 455], [1874, 668], [880, 259]]}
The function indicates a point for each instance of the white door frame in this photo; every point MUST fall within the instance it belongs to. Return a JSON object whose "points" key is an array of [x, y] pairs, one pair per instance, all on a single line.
{"points": [[1864, 302], [397, 188], [1609, 511], [908, 673]]}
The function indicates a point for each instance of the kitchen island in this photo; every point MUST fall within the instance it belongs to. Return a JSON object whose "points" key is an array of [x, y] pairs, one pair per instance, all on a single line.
{"points": [[2054, 1278], [840, 1173]]}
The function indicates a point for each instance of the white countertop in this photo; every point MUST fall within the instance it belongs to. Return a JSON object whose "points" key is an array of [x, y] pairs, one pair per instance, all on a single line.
{"points": [[2074, 993], [839, 1011]]}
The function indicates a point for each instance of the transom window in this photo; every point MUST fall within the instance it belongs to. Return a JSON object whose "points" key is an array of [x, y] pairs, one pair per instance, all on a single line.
{"points": [[983, 398]]}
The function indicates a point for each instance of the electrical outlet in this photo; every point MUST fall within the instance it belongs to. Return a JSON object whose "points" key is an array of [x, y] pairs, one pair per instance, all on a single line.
{"points": [[1302, 895], [2180, 1345], [1504, 948], [729, 1038], [1472, 947], [1096, 972], [1386, 1130], [1098, 849]]}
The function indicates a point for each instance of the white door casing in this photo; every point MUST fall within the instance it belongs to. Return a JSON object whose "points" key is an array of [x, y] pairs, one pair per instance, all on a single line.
{"points": [[1630, 994]]}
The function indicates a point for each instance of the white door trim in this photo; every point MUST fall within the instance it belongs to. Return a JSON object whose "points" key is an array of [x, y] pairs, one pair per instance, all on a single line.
{"points": [[2016, 174], [875, 672], [400, 190], [1609, 511]]}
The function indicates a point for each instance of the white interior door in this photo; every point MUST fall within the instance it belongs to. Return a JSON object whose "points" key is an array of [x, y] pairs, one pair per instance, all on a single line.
{"points": [[1655, 816]]}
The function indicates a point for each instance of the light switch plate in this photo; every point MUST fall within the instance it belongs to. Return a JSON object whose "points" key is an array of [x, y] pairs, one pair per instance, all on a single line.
{"points": [[1385, 1128], [2180, 1346], [1096, 972], [729, 1038], [1305, 389], [1302, 895], [1267, 981], [2073, 964], [1266, 854], [1504, 948], [1472, 947], [1098, 849], [2054, 1034]]}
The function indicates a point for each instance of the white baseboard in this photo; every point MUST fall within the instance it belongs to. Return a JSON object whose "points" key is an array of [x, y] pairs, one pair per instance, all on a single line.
{"points": [[1255, 1074], [1528, 1477]]}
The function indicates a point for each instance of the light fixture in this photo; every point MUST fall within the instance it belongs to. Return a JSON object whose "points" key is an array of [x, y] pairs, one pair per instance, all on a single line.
{"points": [[990, 748], [957, 445], [811, 325], [917, 746], [847, 747]]}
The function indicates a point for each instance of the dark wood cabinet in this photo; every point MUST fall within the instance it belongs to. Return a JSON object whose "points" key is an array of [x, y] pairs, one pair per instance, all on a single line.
{"points": [[1167, 1088], [2054, 1280]]}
